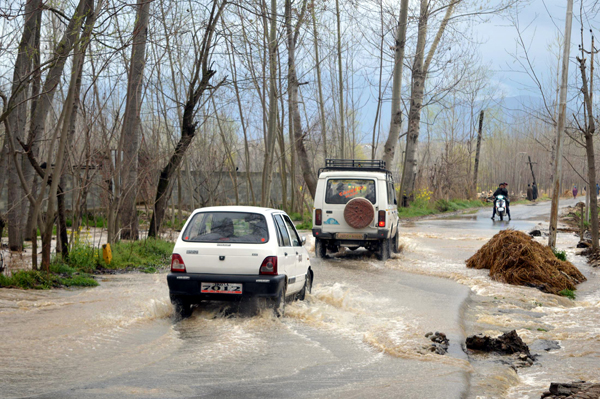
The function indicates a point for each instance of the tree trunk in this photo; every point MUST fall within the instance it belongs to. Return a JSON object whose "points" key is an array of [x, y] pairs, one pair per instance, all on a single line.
{"points": [[131, 123], [292, 37], [589, 149], [419, 75], [17, 119], [200, 82], [341, 78], [272, 119], [414, 114], [389, 149], [319, 84]]}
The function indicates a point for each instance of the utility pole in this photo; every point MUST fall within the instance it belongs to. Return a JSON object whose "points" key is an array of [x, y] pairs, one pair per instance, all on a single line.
{"points": [[477, 152], [561, 126], [531, 167]]}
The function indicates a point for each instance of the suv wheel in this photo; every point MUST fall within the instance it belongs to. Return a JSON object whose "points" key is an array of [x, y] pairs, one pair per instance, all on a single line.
{"points": [[395, 244], [383, 252], [320, 248]]}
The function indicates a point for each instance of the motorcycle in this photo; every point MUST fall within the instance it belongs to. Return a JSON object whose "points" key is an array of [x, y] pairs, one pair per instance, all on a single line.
{"points": [[500, 204]]}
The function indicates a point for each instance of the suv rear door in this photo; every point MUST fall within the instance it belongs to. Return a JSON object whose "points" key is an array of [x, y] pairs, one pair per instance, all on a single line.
{"points": [[340, 190]]}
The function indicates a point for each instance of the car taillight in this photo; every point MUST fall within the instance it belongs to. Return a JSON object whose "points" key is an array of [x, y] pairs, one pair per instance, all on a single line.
{"points": [[381, 219], [318, 217], [177, 265], [269, 265]]}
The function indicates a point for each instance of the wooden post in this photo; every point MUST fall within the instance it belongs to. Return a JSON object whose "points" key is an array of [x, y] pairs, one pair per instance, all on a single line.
{"points": [[477, 152], [561, 125], [582, 224]]}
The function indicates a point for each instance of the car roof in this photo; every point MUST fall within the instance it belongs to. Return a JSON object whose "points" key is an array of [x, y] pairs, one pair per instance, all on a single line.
{"points": [[239, 208], [352, 173]]}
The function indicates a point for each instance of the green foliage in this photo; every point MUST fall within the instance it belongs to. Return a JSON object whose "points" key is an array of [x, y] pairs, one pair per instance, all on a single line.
{"points": [[295, 216], [305, 225], [175, 224], [33, 279], [146, 255], [423, 206], [568, 293], [562, 255]]}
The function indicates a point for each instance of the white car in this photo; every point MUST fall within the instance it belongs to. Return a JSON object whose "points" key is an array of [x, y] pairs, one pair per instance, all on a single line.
{"points": [[235, 253], [355, 206]]}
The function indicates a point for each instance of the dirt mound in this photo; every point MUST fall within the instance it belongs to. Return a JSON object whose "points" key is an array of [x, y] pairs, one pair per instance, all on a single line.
{"points": [[515, 258]]}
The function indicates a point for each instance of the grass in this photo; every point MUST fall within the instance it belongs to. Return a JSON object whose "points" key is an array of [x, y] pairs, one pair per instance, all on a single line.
{"points": [[568, 293], [147, 256], [422, 207], [60, 276]]}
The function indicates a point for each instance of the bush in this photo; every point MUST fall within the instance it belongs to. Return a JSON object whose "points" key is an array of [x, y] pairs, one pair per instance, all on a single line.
{"points": [[295, 216], [568, 293], [147, 255], [33, 279], [562, 255]]}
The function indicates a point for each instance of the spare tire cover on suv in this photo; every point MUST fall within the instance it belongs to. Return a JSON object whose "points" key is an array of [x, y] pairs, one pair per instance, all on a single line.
{"points": [[359, 213]]}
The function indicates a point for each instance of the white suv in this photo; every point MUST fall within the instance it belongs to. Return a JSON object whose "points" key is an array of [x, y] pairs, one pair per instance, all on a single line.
{"points": [[232, 253], [355, 206]]}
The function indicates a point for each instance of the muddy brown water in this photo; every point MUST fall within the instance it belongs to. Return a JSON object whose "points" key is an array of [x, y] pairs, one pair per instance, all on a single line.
{"points": [[361, 332]]}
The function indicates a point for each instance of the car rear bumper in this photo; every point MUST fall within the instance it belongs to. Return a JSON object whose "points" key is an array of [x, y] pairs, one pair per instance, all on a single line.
{"points": [[380, 234], [188, 285]]}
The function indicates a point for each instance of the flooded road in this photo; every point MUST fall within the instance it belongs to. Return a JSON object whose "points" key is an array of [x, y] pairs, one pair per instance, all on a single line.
{"points": [[360, 334]]}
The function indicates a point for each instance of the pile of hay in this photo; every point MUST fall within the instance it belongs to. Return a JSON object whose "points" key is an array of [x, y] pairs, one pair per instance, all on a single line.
{"points": [[515, 258]]}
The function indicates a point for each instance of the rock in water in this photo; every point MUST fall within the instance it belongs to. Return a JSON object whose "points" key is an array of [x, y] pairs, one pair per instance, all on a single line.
{"points": [[574, 390], [506, 344]]}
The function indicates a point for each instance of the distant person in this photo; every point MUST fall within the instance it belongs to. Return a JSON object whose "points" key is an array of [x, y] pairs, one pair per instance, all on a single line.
{"points": [[529, 193], [574, 191], [535, 191], [501, 190]]}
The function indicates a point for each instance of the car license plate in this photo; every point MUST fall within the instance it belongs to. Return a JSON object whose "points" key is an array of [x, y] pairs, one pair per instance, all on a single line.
{"points": [[350, 236], [221, 288]]}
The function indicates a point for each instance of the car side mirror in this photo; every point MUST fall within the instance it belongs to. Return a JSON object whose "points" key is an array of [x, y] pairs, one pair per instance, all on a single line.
{"points": [[303, 240]]}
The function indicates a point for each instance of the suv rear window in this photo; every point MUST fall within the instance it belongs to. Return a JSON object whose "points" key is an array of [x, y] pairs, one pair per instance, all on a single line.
{"points": [[240, 227], [340, 191]]}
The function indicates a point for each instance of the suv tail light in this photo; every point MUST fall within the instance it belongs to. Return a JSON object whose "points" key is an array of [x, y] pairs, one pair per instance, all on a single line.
{"points": [[381, 222], [318, 217], [177, 265], [269, 266]]}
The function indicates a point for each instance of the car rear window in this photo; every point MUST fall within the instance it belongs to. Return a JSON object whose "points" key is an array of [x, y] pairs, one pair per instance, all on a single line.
{"points": [[340, 191], [240, 227]]}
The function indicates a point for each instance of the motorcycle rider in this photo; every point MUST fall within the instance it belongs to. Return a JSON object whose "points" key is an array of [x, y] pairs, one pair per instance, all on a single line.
{"points": [[501, 190]]}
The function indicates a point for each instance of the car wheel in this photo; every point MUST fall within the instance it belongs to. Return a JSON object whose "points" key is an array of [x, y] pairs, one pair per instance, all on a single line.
{"points": [[320, 248], [307, 286], [353, 248], [383, 252], [279, 303], [183, 309]]}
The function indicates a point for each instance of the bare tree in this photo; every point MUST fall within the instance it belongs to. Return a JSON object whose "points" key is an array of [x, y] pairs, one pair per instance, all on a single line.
{"points": [[200, 82]]}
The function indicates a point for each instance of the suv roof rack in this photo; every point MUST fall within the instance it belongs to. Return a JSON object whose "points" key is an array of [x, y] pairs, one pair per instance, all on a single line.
{"points": [[364, 165]]}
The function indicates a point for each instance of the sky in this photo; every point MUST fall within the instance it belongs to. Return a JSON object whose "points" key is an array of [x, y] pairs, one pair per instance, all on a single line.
{"points": [[542, 23]]}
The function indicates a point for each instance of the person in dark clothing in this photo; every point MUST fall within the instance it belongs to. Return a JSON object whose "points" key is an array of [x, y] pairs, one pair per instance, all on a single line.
{"points": [[529, 193], [535, 191], [501, 190]]}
